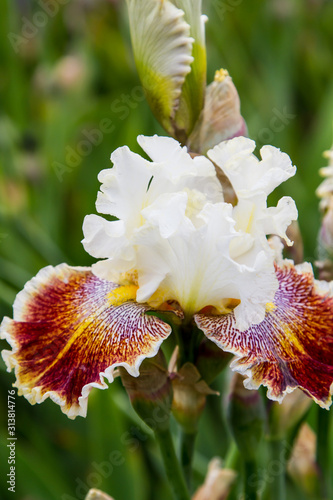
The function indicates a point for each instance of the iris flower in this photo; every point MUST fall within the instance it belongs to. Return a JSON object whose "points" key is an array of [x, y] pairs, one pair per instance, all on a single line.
{"points": [[173, 244]]}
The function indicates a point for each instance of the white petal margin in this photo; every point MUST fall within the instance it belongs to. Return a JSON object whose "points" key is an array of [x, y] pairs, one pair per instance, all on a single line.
{"points": [[193, 16], [69, 333], [247, 174], [162, 48]]}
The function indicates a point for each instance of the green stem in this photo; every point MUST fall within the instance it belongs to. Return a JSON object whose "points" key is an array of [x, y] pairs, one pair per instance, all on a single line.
{"points": [[217, 420], [277, 469], [188, 338], [250, 480], [171, 464], [186, 452], [232, 456], [322, 456]]}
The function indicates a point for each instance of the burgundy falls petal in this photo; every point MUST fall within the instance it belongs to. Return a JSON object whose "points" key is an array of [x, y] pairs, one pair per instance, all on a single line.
{"points": [[70, 330], [293, 346]]}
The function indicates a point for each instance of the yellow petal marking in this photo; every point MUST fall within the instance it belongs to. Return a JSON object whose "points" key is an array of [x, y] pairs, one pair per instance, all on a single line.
{"points": [[122, 294], [270, 307]]}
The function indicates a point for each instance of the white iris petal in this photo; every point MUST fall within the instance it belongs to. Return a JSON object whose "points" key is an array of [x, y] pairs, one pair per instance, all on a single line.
{"points": [[194, 268], [133, 190], [247, 174], [253, 180], [179, 240]]}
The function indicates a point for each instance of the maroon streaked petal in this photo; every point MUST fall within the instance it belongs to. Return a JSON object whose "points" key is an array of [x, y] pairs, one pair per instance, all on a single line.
{"points": [[70, 330], [293, 346]]}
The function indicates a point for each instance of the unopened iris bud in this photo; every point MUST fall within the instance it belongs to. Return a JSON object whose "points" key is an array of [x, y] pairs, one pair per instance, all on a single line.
{"points": [[168, 38], [218, 482], [220, 118], [325, 245], [189, 397], [151, 392], [325, 237], [302, 465], [97, 495], [246, 416]]}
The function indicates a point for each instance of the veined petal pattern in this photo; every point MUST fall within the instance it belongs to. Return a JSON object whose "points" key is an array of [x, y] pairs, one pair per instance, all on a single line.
{"points": [[293, 346], [71, 330]]}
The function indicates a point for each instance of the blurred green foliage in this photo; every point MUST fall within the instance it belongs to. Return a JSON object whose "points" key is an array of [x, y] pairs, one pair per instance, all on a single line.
{"points": [[70, 95]]}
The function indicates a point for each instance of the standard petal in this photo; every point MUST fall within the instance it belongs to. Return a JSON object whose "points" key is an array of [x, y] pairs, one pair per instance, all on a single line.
{"points": [[246, 173], [162, 48], [70, 330], [176, 157], [167, 213], [103, 238], [124, 185], [293, 346], [178, 170], [278, 219]]}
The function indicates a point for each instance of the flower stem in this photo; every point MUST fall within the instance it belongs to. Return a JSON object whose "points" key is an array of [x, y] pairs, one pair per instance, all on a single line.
{"points": [[322, 455], [277, 469], [250, 480], [186, 452], [232, 456], [171, 465]]}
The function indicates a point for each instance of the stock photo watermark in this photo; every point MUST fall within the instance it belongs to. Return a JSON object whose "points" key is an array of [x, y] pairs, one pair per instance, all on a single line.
{"points": [[272, 470], [11, 441], [278, 122], [223, 7], [132, 439], [91, 138], [39, 20]]}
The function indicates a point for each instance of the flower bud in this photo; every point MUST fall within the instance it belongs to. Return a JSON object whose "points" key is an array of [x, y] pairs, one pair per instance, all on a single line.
{"points": [[302, 464], [325, 237], [189, 397], [220, 118], [325, 246], [168, 39], [217, 484], [70, 72], [246, 416], [97, 495], [151, 392]]}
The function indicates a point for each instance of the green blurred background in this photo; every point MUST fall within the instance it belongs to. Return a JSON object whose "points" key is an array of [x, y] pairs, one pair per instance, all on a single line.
{"points": [[70, 95]]}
